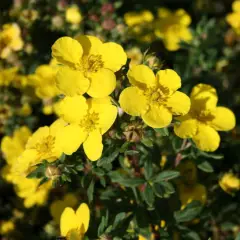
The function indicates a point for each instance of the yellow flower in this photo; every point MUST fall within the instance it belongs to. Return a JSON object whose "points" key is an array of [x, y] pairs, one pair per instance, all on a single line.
{"points": [[44, 81], [187, 194], [233, 19], [31, 192], [89, 120], [6, 227], [154, 98], [137, 18], [12, 147], [88, 65], [140, 25], [74, 225], [57, 207], [28, 189], [44, 144], [205, 119], [135, 55], [172, 28], [10, 40], [20, 81], [140, 237], [73, 15], [28, 16], [7, 76], [229, 183]]}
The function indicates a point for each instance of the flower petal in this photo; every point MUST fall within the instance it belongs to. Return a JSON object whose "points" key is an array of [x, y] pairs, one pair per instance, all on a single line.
{"points": [[37, 137], [187, 128], [224, 119], [169, 79], [109, 52], [90, 44], [68, 221], [93, 146], [207, 139], [70, 138], [73, 109], [133, 102], [157, 116], [141, 76], [27, 159], [103, 83], [107, 113], [204, 96], [179, 103], [57, 126], [236, 6], [83, 215], [71, 82], [67, 51]]}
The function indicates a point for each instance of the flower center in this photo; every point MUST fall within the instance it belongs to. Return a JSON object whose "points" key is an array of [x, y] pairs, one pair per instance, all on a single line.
{"points": [[90, 122], [74, 234], [46, 145], [202, 115], [92, 63], [157, 95]]}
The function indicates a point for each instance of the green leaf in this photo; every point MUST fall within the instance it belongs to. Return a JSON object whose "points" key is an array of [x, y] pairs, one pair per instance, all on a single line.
{"points": [[191, 236], [132, 182], [39, 172], [148, 169], [109, 159], [211, 155], [98, 171], [147, 142], [79, 168], [168, 187], [62, 158], [43, 180], [118, 219], [131, 152], [101, 226], [148, 195], [66, 178], [163, 189], [103, 181], [90, 191], [125, 180], [166, 175], [108, 194], [191, 211], [163, 131], [124, 147], [205, 166]]}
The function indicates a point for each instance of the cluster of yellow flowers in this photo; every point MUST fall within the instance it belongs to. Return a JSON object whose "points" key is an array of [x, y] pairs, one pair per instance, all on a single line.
{"points": [[7, 76], [10, 39], [171, 27], [83, 71], [28, 189], [233, 18], [86, 65]]}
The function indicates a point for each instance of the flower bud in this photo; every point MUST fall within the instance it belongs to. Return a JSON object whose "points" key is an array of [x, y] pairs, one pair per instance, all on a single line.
{"points": [[52, 172]]}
